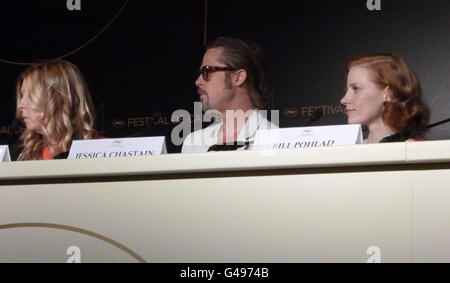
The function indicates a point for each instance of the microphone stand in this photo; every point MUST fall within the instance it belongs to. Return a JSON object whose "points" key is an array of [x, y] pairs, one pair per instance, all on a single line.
{"points": [[438, 123], [316, 115], [403, 136]]}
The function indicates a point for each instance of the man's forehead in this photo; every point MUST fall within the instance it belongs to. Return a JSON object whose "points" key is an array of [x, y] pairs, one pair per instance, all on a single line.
{"points": [[212, 55]]}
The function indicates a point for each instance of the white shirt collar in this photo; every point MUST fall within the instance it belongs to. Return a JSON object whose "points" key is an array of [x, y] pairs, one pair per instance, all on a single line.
{"points": [[247, 133]]}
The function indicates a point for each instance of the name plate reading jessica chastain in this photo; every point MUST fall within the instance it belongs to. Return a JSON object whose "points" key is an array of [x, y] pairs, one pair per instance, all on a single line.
{"points": [[115, 148], [4, 154], [308, 137]]}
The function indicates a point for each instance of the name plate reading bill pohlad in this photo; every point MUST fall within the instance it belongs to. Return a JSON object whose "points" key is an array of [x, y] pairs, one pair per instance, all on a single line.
{"points": [[4, 154], [116, 148], [308, 137]]}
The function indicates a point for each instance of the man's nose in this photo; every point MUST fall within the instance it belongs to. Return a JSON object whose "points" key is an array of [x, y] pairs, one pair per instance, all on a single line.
{"points": [[199, 81]]}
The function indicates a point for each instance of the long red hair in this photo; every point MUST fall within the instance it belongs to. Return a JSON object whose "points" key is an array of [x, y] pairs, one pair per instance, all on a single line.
{"points": [[405, 111]]}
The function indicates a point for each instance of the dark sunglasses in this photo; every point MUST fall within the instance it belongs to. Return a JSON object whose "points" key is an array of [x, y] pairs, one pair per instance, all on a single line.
{"points": [[205, 71]]}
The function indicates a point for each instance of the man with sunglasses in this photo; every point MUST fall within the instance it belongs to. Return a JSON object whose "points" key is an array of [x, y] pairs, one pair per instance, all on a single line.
{"points": [[230, 82]]}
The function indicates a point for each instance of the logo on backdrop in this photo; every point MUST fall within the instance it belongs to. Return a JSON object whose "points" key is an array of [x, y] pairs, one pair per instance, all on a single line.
{"points": [[290, 112], [6, 130], [142, 122], [307, 111], [118, 123]]}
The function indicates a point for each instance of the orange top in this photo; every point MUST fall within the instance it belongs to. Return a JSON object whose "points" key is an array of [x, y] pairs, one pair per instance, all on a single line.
{"points": [[46, 154]]}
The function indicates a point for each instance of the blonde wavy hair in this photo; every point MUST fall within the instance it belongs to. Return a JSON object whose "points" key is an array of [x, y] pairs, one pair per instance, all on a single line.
{"points": [[59, 90]]}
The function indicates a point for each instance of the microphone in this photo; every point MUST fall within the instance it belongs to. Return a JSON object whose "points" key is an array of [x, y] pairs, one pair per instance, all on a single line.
{"points": [[438, 123], [430, 126], [405, 135], [316, 115]]}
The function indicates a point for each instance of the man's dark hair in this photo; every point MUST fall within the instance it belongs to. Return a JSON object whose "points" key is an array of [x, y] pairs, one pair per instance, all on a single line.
{"points": [[247, 55]]}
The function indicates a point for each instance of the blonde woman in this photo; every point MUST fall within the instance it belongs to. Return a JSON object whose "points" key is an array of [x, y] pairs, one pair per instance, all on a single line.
{"points": [[54, 103]]}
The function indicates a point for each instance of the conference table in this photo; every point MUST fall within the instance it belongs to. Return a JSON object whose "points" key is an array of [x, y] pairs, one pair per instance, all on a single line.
{"points": [[359, 203]]}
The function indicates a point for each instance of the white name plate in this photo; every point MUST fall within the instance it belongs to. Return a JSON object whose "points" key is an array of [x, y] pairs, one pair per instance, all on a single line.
{"points": [[308, 137], [115, 148], [4, 154]]}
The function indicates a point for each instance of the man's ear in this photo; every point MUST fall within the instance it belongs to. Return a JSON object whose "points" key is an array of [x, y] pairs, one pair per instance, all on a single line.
{"points": [[239, 77]]}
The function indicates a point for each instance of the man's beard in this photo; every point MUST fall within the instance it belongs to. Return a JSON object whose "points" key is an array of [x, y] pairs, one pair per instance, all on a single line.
{"points": [[206, 106], [205, 102]]}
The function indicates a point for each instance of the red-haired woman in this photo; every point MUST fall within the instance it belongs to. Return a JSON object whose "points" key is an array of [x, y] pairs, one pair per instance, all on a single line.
{"points": [[384, 95]]}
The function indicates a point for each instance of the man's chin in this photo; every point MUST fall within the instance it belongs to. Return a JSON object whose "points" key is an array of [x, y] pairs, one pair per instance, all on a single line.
{"points": [[206, 106]]}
